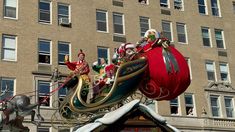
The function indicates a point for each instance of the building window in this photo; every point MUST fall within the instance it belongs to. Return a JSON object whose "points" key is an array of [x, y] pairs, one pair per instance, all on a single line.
{"points": [[234, 7], [219, 38], [43, 129], [62, 92], [178, 4], [63, 14], [174, 106], [215, 108], [189, 105], [181, 32], [103, 53], [164, 3], [101, 20], [43, 93], [143, 1], [189, 65], [202, 7], [9, 47], [63, 129], [166, 29], [45, 11], [44, 53], [224, 74], [210, 69], [10, 8], [144, 25], [118, 23], [229, 106], [215, 8], [7, 88], [63, 49], [206, 36]]}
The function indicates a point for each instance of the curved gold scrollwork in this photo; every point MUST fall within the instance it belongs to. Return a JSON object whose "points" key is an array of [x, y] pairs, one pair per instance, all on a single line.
{"points": [[119, 78]]}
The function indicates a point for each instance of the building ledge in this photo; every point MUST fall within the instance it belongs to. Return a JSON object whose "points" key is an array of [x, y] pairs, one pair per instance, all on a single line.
{"points": [[201, 123]]}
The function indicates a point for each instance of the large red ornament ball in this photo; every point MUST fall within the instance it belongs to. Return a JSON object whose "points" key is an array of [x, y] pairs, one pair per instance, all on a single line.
{"points": [[163, 84]]}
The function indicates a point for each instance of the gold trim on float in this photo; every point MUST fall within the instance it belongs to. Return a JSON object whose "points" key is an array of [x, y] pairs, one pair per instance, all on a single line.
{"points": [[97, 105]]}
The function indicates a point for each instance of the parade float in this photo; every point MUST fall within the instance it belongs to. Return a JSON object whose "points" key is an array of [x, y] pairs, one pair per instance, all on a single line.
{"points": [[150, 70], [153, 67]]}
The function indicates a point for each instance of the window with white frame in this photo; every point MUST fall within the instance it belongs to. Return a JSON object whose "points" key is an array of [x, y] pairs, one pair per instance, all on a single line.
{"points": [[210, 69], [101, 20], [144, 25], [9, 47], [229, 106], [103, 53], [10, 8], [215, 105], [118, 23], [189, 104], [181, 32], [206, 36], [43, 93], [215, 8], [63, 49], [189, 65], [166, 29], [6, 88], [202, 7], [219, 38], [45, 11], [164, 3], [224, 72], [43, 129], [44, 51], [178, 4], [174, 104], [63, 13]]}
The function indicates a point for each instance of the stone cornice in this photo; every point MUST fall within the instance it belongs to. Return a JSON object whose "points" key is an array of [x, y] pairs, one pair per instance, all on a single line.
{"points": [[43, 73], [220, 86]]}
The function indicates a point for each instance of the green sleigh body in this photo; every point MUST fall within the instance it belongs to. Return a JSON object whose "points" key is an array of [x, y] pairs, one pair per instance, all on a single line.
{"points": [[127, 78]]}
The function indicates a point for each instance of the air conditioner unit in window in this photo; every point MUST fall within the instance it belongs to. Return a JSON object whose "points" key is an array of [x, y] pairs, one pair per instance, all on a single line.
{"points": [[178, 7], [64, 21]]}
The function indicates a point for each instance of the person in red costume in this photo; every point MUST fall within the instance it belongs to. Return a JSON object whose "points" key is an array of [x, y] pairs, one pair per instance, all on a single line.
{"points": [[124, 53], [80, 66], [168, 72]]}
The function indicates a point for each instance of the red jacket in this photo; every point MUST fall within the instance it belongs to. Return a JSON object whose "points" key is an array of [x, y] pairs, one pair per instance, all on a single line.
{"points": [[81, 67]]}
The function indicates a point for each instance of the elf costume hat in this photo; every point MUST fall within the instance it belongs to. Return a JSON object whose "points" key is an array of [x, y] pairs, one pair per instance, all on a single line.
{"points": [[124, 47], [129, 46], [80, 52]]}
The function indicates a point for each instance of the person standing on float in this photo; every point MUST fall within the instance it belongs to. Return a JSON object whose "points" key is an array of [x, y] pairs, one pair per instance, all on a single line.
{"points": [[80, 67]]}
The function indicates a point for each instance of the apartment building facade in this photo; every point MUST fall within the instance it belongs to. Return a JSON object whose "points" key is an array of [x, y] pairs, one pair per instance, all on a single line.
{"points": [[37, 34]]}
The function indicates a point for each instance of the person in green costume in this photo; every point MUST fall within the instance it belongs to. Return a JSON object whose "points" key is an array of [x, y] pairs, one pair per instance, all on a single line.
{"points": [[100, 69]]}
